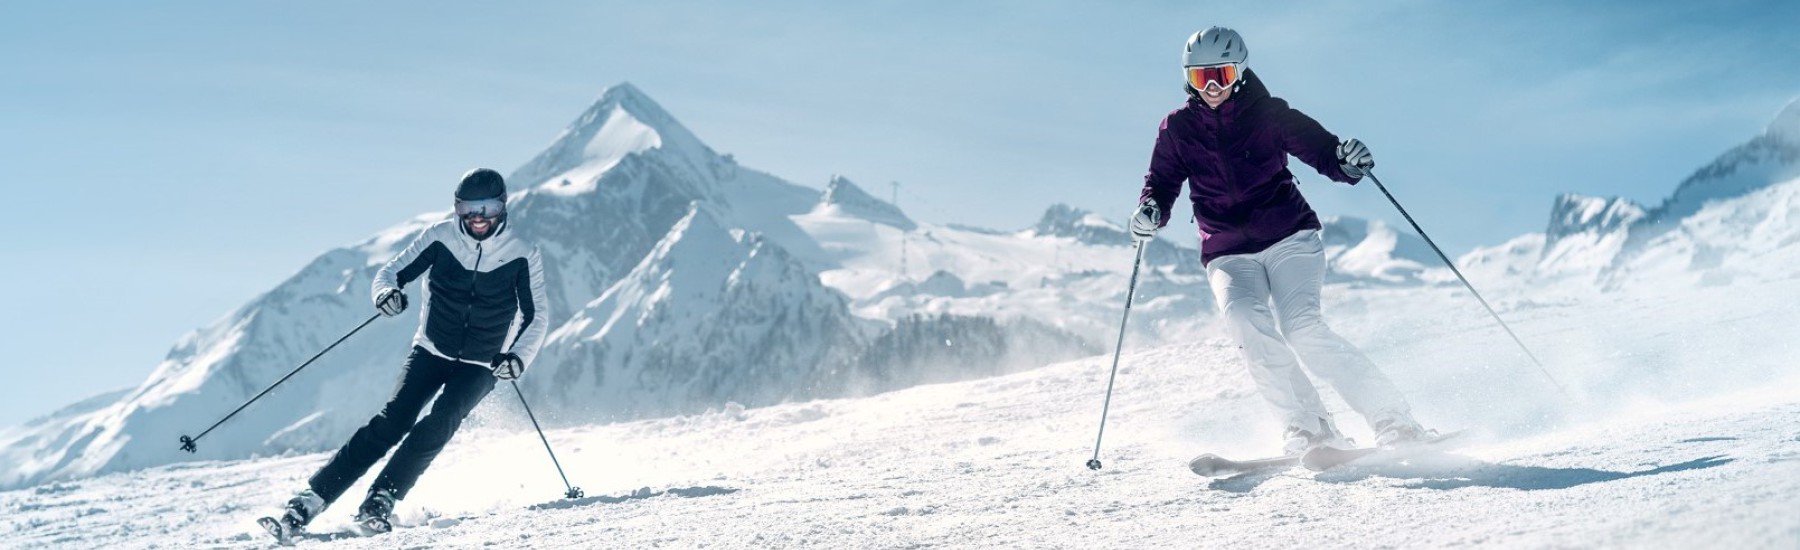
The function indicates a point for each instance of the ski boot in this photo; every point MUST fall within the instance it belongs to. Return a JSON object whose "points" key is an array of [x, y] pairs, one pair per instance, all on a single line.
{"points": [[300, 510], [1300, 440], [375, 512], [1401, 430]]}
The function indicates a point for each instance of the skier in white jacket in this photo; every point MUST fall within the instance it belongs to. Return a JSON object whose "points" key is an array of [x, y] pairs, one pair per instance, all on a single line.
{"points": [[486, 318]]}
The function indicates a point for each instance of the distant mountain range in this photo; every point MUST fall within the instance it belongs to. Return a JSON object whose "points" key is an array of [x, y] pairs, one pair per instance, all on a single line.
{"points": [[1722, 222]]}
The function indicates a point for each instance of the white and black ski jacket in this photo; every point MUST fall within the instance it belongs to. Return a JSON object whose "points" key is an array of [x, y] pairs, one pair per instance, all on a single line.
{"points": [[484, 297]]}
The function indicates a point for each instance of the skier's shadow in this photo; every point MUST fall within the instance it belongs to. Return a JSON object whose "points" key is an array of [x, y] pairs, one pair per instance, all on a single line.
{"points": [[640, 494], [1244, 482], [1444, 471]]}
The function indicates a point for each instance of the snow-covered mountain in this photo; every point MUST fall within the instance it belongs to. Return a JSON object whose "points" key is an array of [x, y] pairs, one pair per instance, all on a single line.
{"points": [[1586, 233], [711, 315], [1772, 157], [1720, 222], [1367, 252], [844, 198], [1730, 213], [622, 123], [1062, 220]]}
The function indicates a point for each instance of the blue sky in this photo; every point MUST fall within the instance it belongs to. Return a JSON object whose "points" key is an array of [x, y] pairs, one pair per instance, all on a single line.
{"points": [[166, 163]]}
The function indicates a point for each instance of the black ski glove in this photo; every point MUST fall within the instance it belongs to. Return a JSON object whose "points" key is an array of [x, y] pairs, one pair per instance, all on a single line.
{"points": [[391, 303], [507, 366]]}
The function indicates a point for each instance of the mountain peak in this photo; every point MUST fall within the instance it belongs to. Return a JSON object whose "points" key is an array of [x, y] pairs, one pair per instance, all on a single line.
{"points": [[848, 199], [623, 121], [622, 91], [1772, 157], [1062, 220], [629, 98], [1575, 213]]}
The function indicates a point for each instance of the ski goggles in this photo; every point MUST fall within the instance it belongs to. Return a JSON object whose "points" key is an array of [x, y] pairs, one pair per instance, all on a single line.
{"points": [[1224, 75], [484, 208]]}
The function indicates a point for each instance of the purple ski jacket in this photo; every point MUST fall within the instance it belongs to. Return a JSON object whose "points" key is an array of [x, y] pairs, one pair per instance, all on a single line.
{"points": [[1234, 160]]}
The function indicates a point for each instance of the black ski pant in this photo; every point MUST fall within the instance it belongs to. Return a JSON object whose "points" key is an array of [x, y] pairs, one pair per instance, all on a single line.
{"points": [[463, 386]]}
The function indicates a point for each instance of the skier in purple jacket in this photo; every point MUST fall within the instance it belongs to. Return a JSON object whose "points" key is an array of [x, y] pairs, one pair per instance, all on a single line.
{"points": [[1259, 240]]}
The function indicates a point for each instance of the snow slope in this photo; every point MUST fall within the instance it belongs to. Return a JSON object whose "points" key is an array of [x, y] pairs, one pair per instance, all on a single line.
{"points": [[1675, 442]]}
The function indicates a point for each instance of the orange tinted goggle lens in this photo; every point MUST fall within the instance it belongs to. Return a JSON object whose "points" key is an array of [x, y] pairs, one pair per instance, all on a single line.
{"points": [[1224, 75]]}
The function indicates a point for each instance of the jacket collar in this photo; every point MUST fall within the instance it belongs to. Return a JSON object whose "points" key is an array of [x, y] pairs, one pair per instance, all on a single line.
{"points": [[500, 235], [1248, 93]]}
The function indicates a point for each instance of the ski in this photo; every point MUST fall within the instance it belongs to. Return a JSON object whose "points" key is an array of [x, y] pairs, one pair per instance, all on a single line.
{"points": [[1211, 465], [288, 536], [373, 526], [368, 526], [278, 529], [1320, 459]]}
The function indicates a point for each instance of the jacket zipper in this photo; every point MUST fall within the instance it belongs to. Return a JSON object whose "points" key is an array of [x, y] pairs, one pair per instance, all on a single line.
{"points": [[469, 314]]}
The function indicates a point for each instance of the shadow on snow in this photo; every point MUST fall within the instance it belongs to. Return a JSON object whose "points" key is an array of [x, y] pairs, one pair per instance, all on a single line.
{"points": [[640, 494], [1443, 471]]}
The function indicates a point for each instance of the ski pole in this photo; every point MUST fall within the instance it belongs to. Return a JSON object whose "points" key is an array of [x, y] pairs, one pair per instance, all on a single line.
{"points": [[1465, 282], [187, 443], [1130, 291], [574, 492]]}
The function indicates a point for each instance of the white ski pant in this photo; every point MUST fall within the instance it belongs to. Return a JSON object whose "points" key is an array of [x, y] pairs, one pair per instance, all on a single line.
{"points": [[1289, 275]]}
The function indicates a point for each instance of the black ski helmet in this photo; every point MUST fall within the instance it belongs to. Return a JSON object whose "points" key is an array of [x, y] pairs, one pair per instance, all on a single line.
{"points": [[481, 183], [481, 190]]}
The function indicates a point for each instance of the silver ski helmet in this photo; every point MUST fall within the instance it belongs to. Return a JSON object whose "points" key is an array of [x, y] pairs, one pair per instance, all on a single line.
{"points": [[1214, 55], [481, 194]]}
